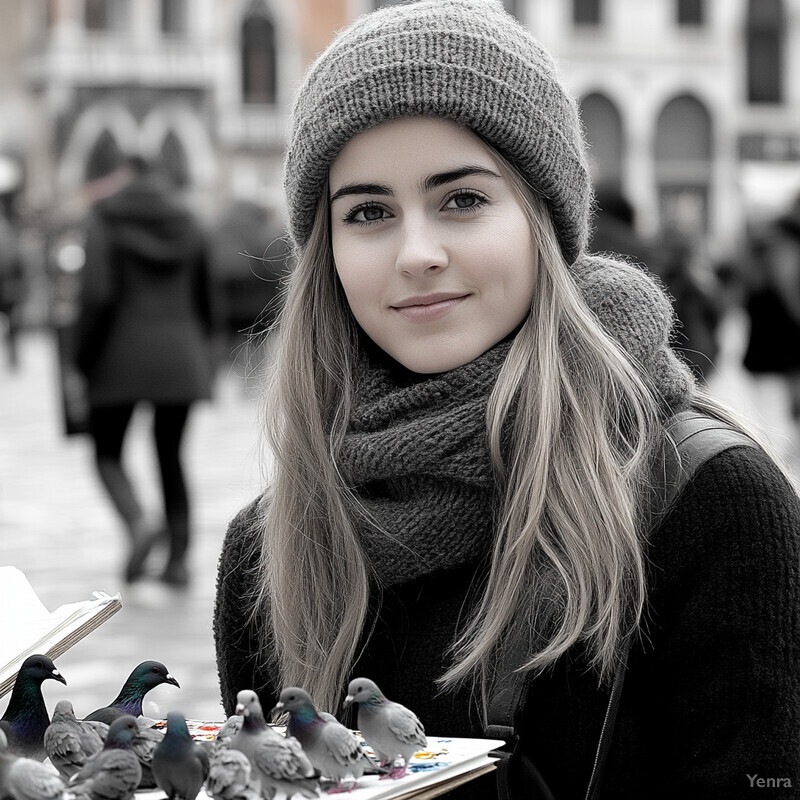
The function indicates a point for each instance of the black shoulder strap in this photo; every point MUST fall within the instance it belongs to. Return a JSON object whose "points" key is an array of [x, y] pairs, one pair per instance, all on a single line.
{"points": [[693, 438]]}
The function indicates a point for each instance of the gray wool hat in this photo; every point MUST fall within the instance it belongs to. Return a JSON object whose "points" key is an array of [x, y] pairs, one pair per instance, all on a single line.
{"points": [[472, 62], [465, 60]]}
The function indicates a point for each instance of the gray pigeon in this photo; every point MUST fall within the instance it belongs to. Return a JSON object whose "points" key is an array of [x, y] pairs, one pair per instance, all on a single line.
{"points": [[279, 762], [27, 779], [145, 741], [25, 718], [180, 765], [230, 774], [330, 746], [390, 729], [113, 773], [231, 726], [69, 742]]}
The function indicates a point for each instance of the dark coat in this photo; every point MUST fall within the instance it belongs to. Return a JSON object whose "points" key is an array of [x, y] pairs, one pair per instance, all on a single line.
{"points": [[146, 322], [713, 690]]}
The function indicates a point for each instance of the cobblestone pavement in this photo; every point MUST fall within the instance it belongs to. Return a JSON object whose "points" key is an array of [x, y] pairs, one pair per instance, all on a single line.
{"points": [[57, 526]]}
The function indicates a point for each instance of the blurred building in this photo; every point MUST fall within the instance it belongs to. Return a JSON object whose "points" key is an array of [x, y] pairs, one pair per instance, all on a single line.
{"points": [[688, 104]]}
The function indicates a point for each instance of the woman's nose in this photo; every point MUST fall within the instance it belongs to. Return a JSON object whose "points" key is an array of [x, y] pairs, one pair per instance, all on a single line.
{"points": [[420, 248]]}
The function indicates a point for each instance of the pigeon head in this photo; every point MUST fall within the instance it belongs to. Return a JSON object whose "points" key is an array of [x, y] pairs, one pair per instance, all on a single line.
{"points": [[249, 706], [39, 668], [63, 710], [363, 691], [121, 732], [176, 725], [296, 702], [150, 674]]}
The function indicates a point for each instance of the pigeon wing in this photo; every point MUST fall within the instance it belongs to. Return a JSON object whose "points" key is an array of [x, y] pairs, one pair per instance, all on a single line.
{"points": [[27, 779], [343, 747], [284, 759], [405, 725]]}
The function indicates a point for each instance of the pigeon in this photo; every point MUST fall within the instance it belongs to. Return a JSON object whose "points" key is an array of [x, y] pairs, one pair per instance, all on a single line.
{"points": [[231, 726], [390, 729], [145, 741], [69, 742], [113, 773], [330, 746], [26, 719], [145, 676], [230, 775], [278, 761], [180, 765], [26, 779]]}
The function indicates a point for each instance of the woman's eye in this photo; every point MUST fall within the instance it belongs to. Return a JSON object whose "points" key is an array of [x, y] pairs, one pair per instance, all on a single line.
{"points": [[362, 215], [465, 201]]}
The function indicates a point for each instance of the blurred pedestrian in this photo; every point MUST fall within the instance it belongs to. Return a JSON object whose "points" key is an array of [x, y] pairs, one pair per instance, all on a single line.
{"points": [[615, 226], [250, 256], [144, 334], [11, 286], [772, 303], [696, 296]]}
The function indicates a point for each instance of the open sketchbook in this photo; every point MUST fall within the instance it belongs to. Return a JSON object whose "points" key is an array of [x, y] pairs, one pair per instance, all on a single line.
{"points": [[445, 764], [27, 627]]}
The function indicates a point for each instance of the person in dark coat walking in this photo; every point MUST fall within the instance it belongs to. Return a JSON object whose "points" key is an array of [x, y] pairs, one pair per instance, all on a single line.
{"points": [[144, 334]]}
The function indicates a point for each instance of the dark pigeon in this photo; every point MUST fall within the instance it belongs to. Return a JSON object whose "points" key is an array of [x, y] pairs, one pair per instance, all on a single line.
{"points": [[145, 676], [26, 719], [180, 765], [113, 773]]}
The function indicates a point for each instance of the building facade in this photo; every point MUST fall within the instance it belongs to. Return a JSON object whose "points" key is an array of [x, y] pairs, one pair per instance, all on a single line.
{"points": [[688, 104]]}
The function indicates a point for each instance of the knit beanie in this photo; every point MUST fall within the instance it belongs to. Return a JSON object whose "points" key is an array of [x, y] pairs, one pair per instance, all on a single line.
{"points": [[464, 60], [471, 62]]}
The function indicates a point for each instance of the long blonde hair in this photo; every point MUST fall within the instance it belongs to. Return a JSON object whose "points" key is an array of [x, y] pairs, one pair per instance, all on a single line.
{"points": [[568, 560]]}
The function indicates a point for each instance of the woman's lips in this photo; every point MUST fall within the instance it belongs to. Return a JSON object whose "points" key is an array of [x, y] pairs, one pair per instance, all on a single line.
{"points": [[428, 309]]}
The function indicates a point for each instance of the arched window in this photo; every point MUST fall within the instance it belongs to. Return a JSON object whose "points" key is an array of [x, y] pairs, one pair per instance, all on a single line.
{"points": [[259, 58], [603, 124], [683, 158], [587, 12], [174, 161], [765, 51], [691, 12], [104, 157], [105, 15], [173, 17]]}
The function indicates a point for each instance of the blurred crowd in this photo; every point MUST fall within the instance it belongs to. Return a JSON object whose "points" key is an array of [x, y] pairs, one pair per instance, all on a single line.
{"points": [[125, 298]]}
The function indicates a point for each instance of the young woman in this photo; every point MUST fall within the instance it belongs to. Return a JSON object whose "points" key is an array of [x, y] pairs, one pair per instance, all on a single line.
{"points": [[467, 419]]}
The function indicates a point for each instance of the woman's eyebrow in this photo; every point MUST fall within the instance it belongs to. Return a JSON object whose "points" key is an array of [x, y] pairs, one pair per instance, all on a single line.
{"points": [[441, 178], [360, 188], [431, 182]]}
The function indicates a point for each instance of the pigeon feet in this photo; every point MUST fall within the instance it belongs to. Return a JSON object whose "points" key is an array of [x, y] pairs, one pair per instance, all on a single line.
{"points": [[394, 773]]}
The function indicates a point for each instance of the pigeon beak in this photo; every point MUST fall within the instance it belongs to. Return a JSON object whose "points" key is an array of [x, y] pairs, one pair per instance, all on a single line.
{"points": [[59, 677], [278, 707], [172, 680], [348, 700], [240, 708]]}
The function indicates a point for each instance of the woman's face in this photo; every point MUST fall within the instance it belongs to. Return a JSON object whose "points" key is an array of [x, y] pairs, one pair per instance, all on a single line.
{"points": [[432, 247]]}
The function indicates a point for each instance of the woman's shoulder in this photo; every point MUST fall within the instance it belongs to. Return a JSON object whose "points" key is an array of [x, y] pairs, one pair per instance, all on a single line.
{"points": [[739, 501], [241, 542]]}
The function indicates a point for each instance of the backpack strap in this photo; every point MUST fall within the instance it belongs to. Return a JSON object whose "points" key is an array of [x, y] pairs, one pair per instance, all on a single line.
{"points": [[693, 439]]}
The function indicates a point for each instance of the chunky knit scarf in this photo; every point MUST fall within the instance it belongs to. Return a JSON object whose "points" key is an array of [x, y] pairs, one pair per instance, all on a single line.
{"points": [[417, 455]]}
